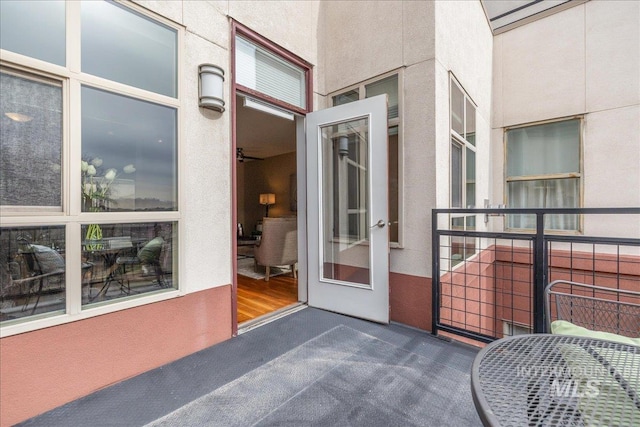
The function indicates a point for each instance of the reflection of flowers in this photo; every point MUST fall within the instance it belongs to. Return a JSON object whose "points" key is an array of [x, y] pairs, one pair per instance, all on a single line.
{"points": [[96, 190]]}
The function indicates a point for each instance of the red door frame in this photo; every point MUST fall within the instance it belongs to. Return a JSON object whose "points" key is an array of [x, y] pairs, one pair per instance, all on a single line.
{"points": [[239, 29]]}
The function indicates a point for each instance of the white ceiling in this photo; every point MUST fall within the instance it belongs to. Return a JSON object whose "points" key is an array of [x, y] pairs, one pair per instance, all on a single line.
{"points": [[504, 14], [261, 134]]}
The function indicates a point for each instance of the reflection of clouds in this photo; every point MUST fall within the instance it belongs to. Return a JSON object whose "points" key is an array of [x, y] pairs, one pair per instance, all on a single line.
{"points": [[124, 132]]}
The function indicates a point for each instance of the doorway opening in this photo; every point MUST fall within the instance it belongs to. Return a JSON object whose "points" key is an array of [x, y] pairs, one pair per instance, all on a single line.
{"points": [[266, 210]]}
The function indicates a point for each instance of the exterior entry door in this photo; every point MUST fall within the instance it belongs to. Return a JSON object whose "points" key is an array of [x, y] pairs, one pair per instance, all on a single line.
{"points": [[348, 236]]}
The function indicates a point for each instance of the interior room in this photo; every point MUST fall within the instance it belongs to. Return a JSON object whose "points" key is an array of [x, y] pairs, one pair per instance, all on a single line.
{"points": [[266, 209]]}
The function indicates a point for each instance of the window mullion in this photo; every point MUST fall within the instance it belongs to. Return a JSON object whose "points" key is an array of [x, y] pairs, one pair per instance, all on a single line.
{"points": [[73, 35]]}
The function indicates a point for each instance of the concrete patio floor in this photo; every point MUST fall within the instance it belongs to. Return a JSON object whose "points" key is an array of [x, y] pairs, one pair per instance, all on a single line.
{"points": [[311, 367]]}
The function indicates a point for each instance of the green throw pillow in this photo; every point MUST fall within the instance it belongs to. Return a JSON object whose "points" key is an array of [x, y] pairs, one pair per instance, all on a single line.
{"points": [[562, 327]]}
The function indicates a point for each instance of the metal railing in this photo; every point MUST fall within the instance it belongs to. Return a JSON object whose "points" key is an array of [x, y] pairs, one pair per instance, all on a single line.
{"points": [[485, 284]]}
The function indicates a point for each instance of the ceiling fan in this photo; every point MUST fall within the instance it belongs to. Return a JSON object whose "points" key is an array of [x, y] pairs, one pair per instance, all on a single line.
{"points": [[241, 157]]}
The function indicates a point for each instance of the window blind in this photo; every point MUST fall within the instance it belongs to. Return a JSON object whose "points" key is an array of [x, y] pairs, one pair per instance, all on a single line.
{"points": [[260, 70]]}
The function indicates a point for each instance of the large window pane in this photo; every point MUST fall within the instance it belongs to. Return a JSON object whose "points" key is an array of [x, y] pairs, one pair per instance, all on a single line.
{"points": [[32, 271], [121, 45], [471, 179], [34, 28], [470, 122], [456, 175], [129, 259], [259, 69], [389, 86], [457, 109], [544, 149], [30, 142], [129, 154]]}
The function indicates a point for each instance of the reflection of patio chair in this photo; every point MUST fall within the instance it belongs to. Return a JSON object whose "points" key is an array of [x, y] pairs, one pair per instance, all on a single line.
{"points": [[44, 267], [148, 258]]}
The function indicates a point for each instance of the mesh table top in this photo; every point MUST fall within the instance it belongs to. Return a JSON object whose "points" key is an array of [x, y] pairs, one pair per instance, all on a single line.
{"points": [[557, 380]]}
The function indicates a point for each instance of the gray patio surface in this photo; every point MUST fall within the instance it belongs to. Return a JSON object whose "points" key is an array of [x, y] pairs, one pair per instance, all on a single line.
{"points": [[310, 368]]}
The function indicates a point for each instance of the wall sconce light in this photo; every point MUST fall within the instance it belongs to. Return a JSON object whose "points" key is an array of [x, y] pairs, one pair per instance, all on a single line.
{"points": [[267, 199], [211, 87]]}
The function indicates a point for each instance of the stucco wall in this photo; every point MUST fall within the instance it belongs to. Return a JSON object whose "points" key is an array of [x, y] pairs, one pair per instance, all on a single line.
{"points": [[581, 61]]}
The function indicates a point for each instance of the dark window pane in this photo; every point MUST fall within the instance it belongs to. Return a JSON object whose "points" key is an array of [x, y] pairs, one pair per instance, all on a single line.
{"points": [[456, 175], [388, 85], [129, 259], [34, 28], [30, 142], [129, 160], [345, 98], [32, 271], [470, 124], [457, 109], [121, 45]]}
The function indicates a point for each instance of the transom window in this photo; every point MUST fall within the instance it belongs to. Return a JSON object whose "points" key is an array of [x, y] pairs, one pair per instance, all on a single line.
{"points": [[88, 157], [389, 85]]}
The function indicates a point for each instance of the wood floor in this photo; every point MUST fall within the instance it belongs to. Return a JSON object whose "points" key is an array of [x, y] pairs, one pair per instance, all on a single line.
{"points": [[257, 297]]}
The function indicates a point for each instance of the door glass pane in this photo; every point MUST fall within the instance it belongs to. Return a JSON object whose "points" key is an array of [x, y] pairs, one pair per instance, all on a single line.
{"points": [[121, 45], [34, 28], [129, 154], [345, 202], [32, 271], [30, 142]]}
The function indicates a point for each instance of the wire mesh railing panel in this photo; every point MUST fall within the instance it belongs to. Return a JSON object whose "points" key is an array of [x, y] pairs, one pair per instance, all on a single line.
{"points": [[488, 285]]}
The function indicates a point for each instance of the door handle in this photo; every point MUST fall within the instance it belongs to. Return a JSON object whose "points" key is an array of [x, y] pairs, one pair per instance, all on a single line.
{"points": [[379, 224]]}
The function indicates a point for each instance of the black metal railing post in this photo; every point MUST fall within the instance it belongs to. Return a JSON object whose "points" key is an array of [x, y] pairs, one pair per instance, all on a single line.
{"points": [[539, 273], [435, 273]]}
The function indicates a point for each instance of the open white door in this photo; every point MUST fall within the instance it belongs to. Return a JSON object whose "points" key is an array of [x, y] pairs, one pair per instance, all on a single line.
{"points": [[348, 237]]}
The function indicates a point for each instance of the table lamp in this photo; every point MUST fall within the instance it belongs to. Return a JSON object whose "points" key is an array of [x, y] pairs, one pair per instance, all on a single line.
{"points": [[267, 199]]}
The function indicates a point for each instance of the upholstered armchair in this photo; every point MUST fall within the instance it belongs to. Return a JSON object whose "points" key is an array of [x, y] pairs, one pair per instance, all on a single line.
{"points": [[278, 244]]}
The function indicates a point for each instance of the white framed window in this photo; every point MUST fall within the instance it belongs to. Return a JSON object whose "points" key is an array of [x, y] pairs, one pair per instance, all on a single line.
{"points": [[543, 170], [463, 168], [90, 137], [389, 84]]}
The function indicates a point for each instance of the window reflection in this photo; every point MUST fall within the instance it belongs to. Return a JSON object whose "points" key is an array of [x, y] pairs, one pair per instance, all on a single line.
{"points": [[129, 259], [129, 160], [30, 141], [122, 45], [32, 271], [34, 28]]}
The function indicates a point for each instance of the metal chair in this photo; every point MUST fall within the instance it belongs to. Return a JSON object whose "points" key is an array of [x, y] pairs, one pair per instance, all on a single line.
{"points": [[593, 307]]}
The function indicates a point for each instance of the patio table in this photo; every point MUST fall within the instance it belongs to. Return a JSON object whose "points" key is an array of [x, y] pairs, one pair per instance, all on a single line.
{"points": [[551, 380]]}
